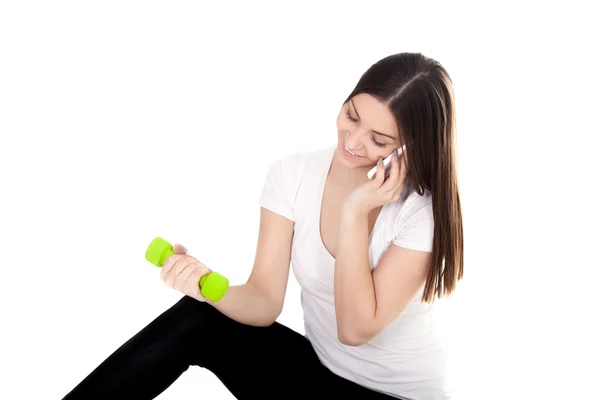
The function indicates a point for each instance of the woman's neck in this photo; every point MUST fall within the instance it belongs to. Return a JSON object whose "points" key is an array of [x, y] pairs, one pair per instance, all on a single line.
{"points": [[348, 177]]}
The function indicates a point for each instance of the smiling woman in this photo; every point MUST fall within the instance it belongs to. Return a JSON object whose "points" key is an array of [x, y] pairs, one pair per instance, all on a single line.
{"points": [[371, 256], [413, 107]]}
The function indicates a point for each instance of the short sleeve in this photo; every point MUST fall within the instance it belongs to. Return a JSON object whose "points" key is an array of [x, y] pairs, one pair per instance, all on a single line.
{"points": [[415, 231], [279, 190]]}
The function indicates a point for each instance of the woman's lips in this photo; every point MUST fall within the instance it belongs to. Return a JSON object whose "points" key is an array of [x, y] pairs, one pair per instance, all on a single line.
{"points": [[348, 155]]}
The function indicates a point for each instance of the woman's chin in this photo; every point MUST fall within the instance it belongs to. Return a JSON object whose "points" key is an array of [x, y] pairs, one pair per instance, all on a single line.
{"points": [[364, 163]]}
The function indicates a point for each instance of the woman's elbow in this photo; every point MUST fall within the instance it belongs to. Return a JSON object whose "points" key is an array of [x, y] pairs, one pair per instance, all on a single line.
{"points": [[272, 316], [351, 338]]}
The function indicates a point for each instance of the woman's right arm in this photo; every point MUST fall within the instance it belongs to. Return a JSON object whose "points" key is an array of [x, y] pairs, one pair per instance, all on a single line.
{"points": [[259, 301]]}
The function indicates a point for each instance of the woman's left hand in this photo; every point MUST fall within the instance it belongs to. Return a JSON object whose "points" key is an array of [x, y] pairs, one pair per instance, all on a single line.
{"points": [[378, 191]]}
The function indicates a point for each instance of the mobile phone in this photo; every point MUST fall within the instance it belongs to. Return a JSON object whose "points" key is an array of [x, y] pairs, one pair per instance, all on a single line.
{"points": [[386, 164]]}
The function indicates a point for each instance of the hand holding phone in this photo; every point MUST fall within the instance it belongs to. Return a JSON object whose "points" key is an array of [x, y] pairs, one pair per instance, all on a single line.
{"points": [[386, 163]]}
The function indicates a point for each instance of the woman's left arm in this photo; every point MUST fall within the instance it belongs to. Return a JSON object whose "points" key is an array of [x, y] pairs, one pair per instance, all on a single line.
{"points": [[365, 301]]}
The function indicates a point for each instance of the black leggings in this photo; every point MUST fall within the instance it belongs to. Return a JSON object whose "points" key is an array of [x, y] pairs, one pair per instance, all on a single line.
{"points": [[252, 362]]}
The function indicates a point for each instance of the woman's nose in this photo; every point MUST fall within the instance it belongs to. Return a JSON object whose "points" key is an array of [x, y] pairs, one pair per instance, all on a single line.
{"points": [[353, 141]]}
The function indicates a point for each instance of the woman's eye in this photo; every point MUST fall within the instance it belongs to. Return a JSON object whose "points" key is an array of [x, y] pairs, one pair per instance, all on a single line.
{"points": [[372, 138], [377, 143], [350, 117]]}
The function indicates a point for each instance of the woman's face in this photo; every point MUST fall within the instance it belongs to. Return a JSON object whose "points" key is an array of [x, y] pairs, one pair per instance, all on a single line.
{"points": [[367, 128]]}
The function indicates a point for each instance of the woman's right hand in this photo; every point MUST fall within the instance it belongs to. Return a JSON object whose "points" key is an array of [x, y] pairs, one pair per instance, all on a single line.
{"points": [[182, 272]]}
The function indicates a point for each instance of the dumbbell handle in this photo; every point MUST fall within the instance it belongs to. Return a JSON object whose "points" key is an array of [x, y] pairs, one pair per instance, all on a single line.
{"points": [[168, 253], [213, 286]]}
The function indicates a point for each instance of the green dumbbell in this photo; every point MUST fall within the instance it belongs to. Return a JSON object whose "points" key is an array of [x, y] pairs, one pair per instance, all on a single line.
{"points": [[213, 286]]}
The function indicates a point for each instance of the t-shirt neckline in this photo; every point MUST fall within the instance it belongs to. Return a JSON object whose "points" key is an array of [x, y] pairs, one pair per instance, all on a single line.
{"points": [[324, 174]]}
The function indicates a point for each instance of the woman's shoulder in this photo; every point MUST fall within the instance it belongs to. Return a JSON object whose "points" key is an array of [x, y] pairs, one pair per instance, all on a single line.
{"points": [[411, 207], [411, 200], [286, 176], [409, 223]]}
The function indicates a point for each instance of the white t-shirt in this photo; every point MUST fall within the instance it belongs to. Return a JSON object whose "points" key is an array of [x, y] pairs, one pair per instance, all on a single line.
{"points": [[405, 359]]}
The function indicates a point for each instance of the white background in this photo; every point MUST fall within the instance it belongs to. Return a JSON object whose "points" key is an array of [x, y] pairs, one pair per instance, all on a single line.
{"points": [[125, 120]]}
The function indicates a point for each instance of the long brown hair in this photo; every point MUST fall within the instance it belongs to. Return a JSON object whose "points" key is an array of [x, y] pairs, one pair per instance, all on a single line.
{"points": [[419, 92]]}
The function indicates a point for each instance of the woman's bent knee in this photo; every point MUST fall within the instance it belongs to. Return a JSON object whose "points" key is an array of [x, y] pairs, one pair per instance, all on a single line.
{"points": [[193, 316]]}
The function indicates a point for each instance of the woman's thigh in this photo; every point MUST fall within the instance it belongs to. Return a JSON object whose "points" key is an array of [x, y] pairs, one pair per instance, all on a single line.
{"points": [[262, 362], [273, 362]]}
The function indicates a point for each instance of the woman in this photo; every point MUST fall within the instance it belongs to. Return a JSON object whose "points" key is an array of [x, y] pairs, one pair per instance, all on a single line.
{"points": [[370, 256]]}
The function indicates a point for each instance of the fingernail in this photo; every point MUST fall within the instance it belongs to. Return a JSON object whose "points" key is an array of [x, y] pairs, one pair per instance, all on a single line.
{"points": [[183, 249]]}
